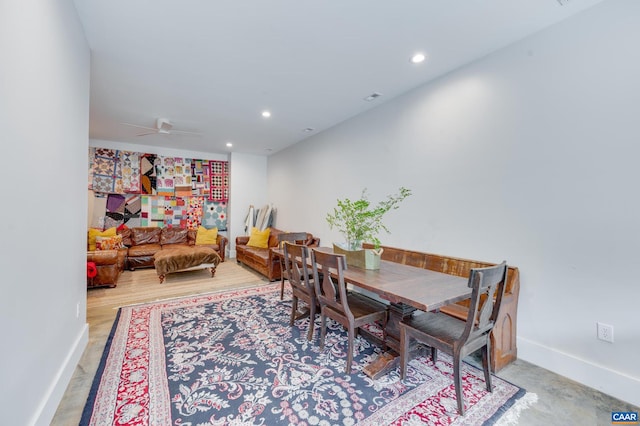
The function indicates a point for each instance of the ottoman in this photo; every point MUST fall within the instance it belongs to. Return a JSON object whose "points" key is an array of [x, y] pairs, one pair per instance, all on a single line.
{"points": [[178, 259]]}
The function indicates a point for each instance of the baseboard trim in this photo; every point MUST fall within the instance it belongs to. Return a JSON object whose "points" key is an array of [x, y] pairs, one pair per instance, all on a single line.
{"points": [[48, 406], [601, 378]]}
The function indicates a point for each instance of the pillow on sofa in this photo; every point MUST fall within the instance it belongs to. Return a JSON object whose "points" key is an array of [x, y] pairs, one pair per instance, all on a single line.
{"points": [[93, 233], [206, 236], [109, 243], [259, 238]]}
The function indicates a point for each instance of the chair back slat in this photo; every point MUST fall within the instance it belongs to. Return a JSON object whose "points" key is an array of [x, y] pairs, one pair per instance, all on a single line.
{"points": [[295, 260], [292, 237], [488, 286], [330, 291]]}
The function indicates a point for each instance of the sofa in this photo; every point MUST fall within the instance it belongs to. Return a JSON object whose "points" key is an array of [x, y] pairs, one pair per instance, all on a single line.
{"points": [[104, 267], [263, 260], [143, 242]]}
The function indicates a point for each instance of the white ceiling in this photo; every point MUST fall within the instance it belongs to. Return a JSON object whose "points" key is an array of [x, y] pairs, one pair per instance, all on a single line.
{"points": [[212, 66]]}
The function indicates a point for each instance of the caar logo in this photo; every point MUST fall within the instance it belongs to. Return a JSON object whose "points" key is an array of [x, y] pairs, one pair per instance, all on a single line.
{"points": [[624, 418]]}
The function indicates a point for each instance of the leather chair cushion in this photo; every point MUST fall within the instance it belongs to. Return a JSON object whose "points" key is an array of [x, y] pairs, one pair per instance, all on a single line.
{"points": [[144, 235], [174, 236], [144, 250]]}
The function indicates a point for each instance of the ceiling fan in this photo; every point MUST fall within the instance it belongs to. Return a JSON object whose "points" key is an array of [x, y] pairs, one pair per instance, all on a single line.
{"points": [[163, 127]]}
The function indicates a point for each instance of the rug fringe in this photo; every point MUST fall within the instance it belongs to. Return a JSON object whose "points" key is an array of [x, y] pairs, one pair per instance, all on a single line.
{"points": [[511, 416]]}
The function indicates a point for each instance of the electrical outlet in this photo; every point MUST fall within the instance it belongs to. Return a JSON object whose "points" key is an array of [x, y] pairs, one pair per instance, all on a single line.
{"points": [[605, 332]]}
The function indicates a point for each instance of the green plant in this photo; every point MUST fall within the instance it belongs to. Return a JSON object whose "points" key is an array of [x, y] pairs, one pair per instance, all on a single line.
{"points": [[358, 221]]}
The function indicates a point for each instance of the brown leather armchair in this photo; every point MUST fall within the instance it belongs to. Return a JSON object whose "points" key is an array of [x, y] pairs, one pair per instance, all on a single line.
{"points": [[109, 264], [263, 260]]}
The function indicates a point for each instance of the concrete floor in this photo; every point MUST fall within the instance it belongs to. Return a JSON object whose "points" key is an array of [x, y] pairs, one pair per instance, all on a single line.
{"points": [[560, 401]]}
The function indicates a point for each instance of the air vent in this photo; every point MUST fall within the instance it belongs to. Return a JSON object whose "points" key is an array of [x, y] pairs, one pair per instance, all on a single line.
{"points": [[373, 96]]}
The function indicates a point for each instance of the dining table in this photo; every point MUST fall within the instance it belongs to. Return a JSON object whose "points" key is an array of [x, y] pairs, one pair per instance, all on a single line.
{"points": [[407, 289]]}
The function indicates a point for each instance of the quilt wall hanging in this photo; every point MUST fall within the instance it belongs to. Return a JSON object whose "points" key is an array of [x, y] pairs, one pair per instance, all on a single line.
{"points": [[142, 189]]}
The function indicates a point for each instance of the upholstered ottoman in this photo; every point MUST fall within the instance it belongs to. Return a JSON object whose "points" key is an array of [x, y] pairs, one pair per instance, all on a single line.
{"points": [[178, 259]]}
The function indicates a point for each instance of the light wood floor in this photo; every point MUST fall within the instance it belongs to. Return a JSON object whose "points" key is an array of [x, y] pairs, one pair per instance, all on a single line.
{"points": [[560, 401], [138, 287]]}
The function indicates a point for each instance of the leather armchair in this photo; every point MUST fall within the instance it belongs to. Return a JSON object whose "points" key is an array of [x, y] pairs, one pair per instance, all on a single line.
{"points": [[109, 265]]}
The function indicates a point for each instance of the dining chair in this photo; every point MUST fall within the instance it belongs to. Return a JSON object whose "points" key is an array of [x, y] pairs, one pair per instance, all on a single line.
{"points": [[350, 309], [460, 338], [296, 258], [293, 237]]}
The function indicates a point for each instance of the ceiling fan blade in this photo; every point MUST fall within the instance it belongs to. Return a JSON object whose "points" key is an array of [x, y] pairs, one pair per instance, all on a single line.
{"points": [[162, 130], [184, 132], [138, 126]]}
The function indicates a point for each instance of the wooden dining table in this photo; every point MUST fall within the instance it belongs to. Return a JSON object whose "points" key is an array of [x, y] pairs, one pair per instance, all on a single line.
{"points": [[407, 289]]}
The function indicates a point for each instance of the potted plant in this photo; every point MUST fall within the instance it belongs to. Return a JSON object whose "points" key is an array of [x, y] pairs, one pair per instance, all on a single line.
{"points": [[358, 221]]}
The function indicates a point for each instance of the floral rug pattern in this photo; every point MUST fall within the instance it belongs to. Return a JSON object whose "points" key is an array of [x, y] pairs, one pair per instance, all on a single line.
{"points": [[232, 359]]}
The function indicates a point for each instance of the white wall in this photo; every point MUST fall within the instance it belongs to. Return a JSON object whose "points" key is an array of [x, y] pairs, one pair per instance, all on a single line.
{"points": [[529, 155], [248, 187], [44, 117]]}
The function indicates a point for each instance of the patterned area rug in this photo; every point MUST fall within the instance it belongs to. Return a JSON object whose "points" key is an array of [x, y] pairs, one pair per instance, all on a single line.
{"points": [[231, 358]]}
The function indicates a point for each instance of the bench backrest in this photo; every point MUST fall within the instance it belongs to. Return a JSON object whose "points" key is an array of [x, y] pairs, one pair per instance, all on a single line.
{"points": [[445, 264]]}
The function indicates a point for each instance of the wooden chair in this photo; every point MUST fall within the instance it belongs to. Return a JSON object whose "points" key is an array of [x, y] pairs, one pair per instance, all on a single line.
{"points": [[293, 237], [350, 309], [295, 260], [460, 338]]}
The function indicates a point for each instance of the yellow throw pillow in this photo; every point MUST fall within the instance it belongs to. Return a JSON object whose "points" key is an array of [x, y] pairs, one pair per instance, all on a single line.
{"points": [[93, 233], [259, 238], [206, 236]]}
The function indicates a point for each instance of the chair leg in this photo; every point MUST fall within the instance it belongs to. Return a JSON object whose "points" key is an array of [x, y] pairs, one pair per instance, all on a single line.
{"points": [[281, 279], [351, 337], [434, 355], [323, 329], [282, 289], [458, 383], [294, 310], [486, 365], [312, 318]]}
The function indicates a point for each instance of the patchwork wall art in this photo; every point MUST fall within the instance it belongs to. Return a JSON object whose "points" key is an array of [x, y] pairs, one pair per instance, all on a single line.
{"points": [[141, 189]]}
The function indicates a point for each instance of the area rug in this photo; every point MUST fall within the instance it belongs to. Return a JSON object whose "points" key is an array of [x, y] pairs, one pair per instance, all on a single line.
{"points": [[231, 358]]}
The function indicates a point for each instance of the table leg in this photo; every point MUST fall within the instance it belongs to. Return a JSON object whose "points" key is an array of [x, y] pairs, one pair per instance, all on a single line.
{"points": [[397, 313], [281, 278], [387, 361]]}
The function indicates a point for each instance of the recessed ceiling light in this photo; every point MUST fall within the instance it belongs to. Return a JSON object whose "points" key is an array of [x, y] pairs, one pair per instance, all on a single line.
{"points": [[229, 144], [266, 114], [418, 58], [308, 130]]}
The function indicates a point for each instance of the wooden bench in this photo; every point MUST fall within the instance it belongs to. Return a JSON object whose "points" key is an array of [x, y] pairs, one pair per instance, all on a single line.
{"points": [[503, 338]]}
